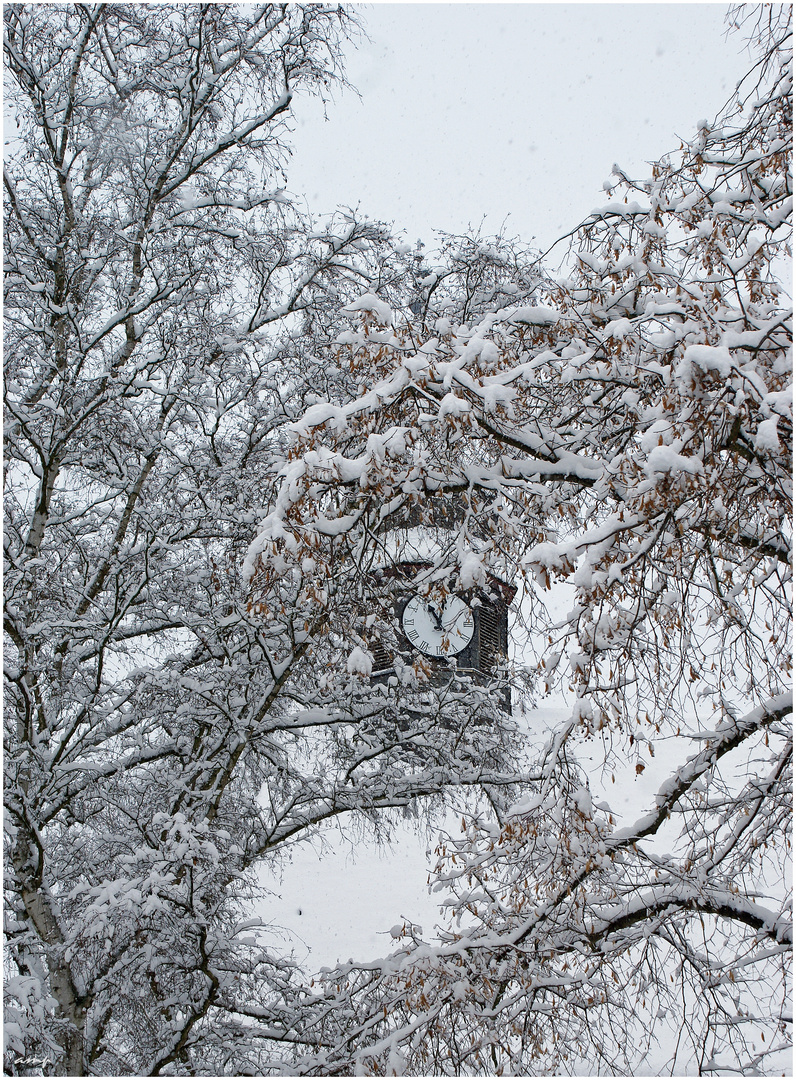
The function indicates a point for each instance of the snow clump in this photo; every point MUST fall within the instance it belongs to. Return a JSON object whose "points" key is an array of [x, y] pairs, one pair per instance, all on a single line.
{"points": [[370, 302], [767, 438], [359, 662]]}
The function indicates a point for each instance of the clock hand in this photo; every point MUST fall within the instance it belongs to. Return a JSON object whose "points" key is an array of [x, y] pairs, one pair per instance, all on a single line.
{"points": [[433, 612]]}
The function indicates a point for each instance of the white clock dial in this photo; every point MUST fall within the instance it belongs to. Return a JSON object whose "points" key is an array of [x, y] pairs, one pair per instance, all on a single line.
{"points": [[438, 629]]}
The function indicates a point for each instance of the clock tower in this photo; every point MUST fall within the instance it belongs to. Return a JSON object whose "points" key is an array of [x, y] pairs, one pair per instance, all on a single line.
{"points": [[465, 630]]}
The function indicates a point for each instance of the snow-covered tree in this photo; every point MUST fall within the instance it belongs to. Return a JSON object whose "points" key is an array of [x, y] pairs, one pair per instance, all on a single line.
{"points": [[225, 427], [170, 726], [628, 433]]}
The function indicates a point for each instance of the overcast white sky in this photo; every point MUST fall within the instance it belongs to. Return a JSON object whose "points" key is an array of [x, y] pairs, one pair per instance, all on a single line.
{"points": [[509, 112]]}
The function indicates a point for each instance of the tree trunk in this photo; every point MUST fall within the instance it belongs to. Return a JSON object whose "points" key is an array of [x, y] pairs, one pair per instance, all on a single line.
{"points": [[71, 1005]]}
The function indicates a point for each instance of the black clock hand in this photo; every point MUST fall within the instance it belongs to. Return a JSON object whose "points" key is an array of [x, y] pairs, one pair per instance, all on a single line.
{"points": [[436, 618]]}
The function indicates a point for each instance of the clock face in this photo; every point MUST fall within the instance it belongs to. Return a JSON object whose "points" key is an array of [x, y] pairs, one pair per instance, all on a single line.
{"points": [[437, 629]]}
